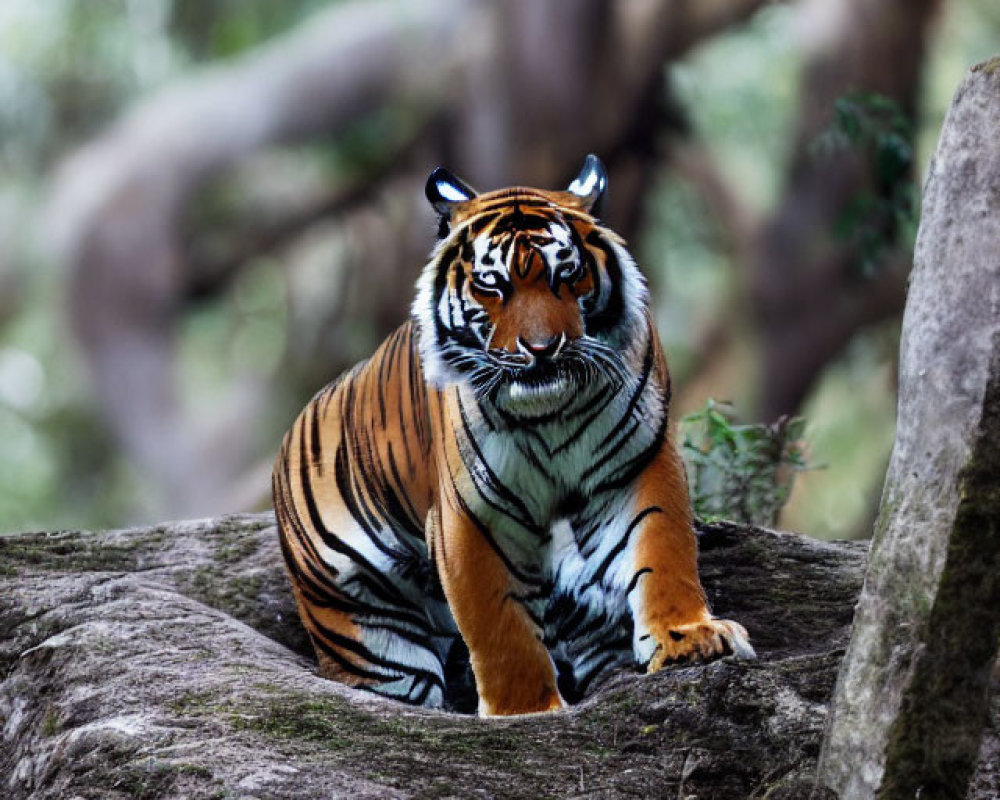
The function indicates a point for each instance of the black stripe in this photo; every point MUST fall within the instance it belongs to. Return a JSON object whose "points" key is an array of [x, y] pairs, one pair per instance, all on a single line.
{"points": [[529, 454], [492, 481], [622, 543], [588, 403], [423, 641], [334, 542], [479, 223], [287, 513], [626, 419], [408, 516], [418, 397], [392, 598], [647, 368], [635, 579], [609, 316], [314, 589], [578, 612], [346, 478], [315, 447], [420, 698], [534, 617], [344, 663], [575, 435], [359, 649], [590, 264], [584, 683], [628, 471], [597, 622], [613, 452], [488, 536], [589, 525], [441, 285]]}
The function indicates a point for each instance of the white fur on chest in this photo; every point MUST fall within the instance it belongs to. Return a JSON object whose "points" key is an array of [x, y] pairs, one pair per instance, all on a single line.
{"points": [[558, 554], [574, 574]]}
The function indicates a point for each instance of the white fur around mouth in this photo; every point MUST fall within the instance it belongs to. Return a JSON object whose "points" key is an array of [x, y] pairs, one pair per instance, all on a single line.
{"points": [[543, 391]]}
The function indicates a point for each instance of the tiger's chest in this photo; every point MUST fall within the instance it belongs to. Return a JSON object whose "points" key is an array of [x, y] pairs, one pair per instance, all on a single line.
{"points": [[556, 495], [584, 451]]}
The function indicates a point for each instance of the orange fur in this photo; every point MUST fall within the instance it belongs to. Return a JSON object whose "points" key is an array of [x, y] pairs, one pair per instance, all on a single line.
{"points": [[514, 673]]}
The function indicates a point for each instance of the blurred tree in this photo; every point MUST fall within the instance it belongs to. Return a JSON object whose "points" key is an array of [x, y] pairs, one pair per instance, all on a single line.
{"points": [[539, 85]]}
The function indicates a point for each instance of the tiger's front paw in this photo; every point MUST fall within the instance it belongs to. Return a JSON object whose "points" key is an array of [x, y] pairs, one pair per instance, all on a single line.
{"points": [[700, 641]]}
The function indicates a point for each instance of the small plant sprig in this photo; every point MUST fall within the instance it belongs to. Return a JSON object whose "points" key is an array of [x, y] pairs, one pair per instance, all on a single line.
{"points": [[740, 472]]}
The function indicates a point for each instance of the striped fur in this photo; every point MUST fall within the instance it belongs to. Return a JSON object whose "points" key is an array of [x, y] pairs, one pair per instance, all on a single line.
{"points": [[500, 471]]}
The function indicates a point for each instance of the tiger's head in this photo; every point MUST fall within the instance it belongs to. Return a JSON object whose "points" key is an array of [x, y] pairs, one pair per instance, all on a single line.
{"points": [[527, 297]]}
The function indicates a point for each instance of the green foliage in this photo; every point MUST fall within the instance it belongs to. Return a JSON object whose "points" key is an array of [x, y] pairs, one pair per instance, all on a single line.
{"points": [[884, 216], [740, 472]]}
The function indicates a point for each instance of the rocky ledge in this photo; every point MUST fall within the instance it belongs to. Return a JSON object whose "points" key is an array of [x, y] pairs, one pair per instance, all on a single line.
{"points": [[169, 662]]}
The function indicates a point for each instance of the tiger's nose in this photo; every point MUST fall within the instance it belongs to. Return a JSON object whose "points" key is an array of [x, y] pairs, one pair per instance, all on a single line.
{"points": [[539, 351]]}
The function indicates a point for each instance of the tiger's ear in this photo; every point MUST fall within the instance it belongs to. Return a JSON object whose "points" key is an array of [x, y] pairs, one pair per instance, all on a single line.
{"points": [[590, 184], [444, 190]]}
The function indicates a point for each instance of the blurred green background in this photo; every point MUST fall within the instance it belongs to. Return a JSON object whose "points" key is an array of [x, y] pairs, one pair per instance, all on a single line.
{"points": [[171, 292]]}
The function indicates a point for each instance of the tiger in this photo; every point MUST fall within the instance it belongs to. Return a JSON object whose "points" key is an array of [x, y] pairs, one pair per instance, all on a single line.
{"points": [[499, 474]]}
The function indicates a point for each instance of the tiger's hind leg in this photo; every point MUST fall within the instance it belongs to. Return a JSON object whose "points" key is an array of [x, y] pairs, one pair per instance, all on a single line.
{"points": [[374, 620], [368, 634]]}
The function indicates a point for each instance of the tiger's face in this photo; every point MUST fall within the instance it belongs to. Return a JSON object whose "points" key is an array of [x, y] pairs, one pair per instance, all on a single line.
{"points": [[527, 298]]}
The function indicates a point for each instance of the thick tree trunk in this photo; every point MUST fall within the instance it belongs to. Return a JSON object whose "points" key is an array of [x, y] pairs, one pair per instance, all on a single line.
{"points": [[169, 662], [119, 202]]}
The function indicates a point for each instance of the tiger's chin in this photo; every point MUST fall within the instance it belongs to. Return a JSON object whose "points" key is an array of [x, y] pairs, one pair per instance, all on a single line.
{"points": [[534, 398]]}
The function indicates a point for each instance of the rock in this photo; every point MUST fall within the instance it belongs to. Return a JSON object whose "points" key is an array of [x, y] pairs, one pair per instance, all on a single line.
{"points": [[169, 662], [912, 697]]}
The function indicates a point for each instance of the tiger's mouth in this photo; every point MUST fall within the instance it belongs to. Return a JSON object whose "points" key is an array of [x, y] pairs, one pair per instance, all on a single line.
{"points": [[557, 386], [538, 388]]}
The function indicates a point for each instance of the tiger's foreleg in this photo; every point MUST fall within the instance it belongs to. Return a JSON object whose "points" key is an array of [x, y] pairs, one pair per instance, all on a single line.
{"points": [[513, 669], [672, 621]]}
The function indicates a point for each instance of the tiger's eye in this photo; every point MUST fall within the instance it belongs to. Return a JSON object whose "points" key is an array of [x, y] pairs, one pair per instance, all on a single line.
{"points": [[490, 280], [570, 272]]}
